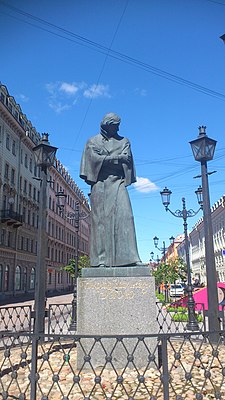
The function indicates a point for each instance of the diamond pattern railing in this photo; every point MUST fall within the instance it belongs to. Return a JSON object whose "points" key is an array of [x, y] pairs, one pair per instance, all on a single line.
{"points": [[59, 318], [20, 318], [166, 319], [16, 319], [188, 366]]}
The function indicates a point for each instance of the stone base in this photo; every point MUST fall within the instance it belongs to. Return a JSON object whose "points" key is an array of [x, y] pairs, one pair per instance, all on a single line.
{"points": [[116, 306]]}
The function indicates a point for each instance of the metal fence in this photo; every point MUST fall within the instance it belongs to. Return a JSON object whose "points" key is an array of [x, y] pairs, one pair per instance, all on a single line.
{"points": [[169, 320], [149, 367]]}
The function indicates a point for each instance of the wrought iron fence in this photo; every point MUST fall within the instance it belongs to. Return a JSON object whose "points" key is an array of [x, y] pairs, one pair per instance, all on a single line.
{"points": [[68, 367], [16, 319], [169, 319], [59, 318]]}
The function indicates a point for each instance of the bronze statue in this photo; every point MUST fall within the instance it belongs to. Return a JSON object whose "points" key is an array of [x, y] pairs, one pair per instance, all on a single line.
{"points": [[107, 166]]}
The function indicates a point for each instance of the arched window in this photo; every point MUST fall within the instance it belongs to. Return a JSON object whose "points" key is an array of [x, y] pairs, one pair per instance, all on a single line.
{"points": [[18, 278], [6, 279], [25, 279], [32, 278], [1, 277]]}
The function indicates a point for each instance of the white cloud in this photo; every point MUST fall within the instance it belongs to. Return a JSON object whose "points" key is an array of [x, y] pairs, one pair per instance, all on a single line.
{"points": [[58, 107], [140, 92], [22, 97], [144, 185], [95, 91], [64, 95], [69, 88]]}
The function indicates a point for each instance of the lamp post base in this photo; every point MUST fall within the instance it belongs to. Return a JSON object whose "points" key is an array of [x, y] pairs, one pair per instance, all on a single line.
{"points": [[192, 324], [73, 326]]}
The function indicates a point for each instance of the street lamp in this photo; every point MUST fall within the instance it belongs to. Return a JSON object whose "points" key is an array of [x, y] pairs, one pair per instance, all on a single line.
{"points": [[157, 259], [192, 324], [76, 216], [163, 250], [203, 150], [44, 155]]}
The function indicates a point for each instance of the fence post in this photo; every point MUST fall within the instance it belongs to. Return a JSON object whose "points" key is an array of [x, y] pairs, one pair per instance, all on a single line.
{"points": [[33, 372], [165, 368]]}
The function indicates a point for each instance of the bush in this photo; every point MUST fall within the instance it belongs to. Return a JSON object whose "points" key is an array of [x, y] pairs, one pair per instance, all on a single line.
{"points": [[180, 317], [177, 309], [160, 297]]}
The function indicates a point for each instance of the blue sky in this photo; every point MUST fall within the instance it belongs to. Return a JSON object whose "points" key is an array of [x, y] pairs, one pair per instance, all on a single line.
{"points": [[159, 64]]}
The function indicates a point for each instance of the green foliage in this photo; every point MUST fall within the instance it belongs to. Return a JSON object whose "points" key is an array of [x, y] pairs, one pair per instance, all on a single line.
{"points": [[170, 271], [83, 262], [177, 309], [160, 297], [181, 317]]}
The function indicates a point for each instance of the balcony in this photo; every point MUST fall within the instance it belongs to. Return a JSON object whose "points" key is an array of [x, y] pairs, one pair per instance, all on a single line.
{"points": [[11, 218]]}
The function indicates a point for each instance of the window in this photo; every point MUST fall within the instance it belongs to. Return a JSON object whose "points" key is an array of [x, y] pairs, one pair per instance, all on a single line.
{"points": [[21, 156], [25, 279], [28, 217], [35, 170], [9, 239], [18, 278], [21, 182], [25, 186], [33, 219], [12, 176], [1, 277], [24, 214], [6, 175], [3, 236], [31, 165], [38, 196], [26, 161], [49, 278], [32, 278], [7, 141], [14, 147], [30, 189], [6, 279], [34, 193], [21, 242]]}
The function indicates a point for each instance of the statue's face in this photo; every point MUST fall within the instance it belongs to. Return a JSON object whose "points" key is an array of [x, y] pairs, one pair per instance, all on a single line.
{"points": [[112, 129]]}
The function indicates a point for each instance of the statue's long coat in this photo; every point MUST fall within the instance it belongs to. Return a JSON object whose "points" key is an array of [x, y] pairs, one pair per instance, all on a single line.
{"points": [[112, 240]]}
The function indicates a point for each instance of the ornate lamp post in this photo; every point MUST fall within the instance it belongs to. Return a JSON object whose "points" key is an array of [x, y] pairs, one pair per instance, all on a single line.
{"points": [[163, 250], [203, 150], [192, 324], [76, 216], [44, 156]]}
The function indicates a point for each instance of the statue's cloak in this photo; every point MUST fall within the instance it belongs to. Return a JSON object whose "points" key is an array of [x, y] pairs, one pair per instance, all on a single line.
{"points": [[112, 239]]}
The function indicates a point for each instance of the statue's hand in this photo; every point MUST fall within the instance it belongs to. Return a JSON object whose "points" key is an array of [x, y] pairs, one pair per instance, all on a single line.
{"points": [[125, 158]]}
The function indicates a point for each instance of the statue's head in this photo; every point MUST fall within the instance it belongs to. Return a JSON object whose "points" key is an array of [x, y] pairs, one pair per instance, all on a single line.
{"points": [[110, 123], [110, 119]]}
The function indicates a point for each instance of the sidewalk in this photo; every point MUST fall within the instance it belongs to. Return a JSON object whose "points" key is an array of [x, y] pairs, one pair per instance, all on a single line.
{"points": [[57, 299]]}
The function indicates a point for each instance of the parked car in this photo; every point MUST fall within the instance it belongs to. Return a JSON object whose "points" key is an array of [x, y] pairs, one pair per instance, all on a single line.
{"points": [[176, 290]]}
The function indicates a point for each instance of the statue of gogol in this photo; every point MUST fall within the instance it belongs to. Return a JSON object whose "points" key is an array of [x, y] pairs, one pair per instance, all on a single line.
{"points": [[107, 166]]}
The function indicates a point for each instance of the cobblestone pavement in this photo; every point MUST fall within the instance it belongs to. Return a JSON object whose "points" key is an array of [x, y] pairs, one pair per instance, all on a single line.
{"points": [[200, 377]]}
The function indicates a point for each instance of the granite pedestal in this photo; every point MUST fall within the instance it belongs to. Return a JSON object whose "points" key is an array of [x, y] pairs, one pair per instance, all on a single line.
{"points": [[116, 301]]}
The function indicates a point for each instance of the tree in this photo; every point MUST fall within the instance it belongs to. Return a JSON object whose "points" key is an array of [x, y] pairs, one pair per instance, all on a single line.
{"points": [[171, 271], [83, 262]]}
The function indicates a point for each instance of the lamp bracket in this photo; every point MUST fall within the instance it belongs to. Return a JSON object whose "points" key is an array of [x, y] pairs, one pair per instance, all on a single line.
{"points": [[184, 213], [208, 173]]}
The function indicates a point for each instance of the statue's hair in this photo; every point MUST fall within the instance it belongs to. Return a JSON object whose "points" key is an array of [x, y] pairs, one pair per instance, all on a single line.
{"points": [[110, 119]]}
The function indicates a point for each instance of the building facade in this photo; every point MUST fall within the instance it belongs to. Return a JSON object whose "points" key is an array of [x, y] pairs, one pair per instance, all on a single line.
{"points": [[197, 244], [19, 208]]}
